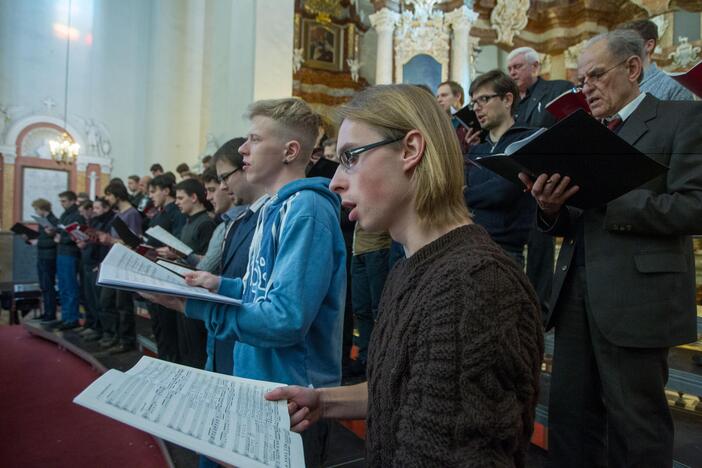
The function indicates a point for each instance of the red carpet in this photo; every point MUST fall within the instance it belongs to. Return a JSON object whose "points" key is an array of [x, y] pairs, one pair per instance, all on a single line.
{"points": [[39, 424]]}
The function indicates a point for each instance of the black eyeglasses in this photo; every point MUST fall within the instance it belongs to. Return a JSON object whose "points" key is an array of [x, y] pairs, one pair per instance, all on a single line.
{"points": [[594, 76], [349, 158], [481, 100], [223, 178]]}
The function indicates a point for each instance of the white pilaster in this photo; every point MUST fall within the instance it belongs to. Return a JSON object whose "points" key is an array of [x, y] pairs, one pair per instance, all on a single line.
{"points": [[461, 19], [384, 23]]}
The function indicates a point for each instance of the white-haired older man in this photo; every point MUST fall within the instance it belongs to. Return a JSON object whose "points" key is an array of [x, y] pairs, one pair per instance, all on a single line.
{"points": [[535, 92]]}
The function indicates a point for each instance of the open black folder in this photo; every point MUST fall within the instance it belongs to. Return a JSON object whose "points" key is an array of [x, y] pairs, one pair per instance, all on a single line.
{"points": [[19, 228], [600, 162]]}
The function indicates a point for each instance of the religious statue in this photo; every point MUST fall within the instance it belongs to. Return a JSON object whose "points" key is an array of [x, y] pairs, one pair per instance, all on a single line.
{"points": [[298, 59], [354, 66]]}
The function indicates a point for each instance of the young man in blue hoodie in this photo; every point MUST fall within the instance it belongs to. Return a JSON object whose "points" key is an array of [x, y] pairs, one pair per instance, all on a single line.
{"points": [[288, 328]]}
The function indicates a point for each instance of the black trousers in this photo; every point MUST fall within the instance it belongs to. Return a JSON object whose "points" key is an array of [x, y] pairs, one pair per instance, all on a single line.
{"points": [[117, 315], [164, 325], [539, 265], [607, 403], [192, 342]]}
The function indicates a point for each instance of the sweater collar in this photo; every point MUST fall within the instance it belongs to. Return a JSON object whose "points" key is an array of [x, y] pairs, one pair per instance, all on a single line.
{"points": [[440, 244]]}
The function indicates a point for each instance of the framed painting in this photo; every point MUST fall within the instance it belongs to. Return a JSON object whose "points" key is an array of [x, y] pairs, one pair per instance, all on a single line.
{"points": [[323, 45]]}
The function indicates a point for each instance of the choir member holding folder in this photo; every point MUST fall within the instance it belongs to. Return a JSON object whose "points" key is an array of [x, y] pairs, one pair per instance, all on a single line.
{"points": [[624, 288], [454, 359], [117, 307]]}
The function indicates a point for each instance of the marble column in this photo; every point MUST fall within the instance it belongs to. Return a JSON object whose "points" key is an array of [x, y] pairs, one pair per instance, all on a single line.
{"points": [[461, 19], [384, 23]]}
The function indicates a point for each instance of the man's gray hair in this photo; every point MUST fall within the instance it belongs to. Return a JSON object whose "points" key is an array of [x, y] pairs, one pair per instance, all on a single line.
{"points": [[622, 44], [530, 55]]}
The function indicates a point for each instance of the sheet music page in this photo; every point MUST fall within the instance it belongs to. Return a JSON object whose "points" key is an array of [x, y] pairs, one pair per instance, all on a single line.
{"points": [[127, 269], [220, 416], [43, 222], [160, 234], [178, 269]]}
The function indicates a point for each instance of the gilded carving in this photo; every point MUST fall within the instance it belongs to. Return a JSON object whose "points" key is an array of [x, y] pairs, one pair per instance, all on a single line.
{"points": [[508, 18], [572, 54]]}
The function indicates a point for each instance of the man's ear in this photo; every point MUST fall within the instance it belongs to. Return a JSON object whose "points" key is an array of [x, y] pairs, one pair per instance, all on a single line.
{"points": [[635, 68], [414, 145], [292, 150]]}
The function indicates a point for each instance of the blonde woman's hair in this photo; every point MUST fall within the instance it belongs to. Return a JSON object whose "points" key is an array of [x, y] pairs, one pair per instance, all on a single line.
{"points": [[394, 110], [294, 118]]}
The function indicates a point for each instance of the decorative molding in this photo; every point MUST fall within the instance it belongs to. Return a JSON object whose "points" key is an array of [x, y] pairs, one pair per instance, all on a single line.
{"points": [[685, 54], [384, 20], [298, 59], [508, 18], [461, 18], [572, 54], [421, 35]]}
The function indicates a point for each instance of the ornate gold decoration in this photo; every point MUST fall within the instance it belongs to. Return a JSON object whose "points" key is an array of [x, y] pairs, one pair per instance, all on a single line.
{"points": [[324, 10], [421, 35]]}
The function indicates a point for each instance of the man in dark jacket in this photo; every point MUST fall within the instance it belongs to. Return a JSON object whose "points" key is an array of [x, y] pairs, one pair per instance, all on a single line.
{"points": [[67, 259], [500, 206], [46, 261], [93, 254], [523, 66]]}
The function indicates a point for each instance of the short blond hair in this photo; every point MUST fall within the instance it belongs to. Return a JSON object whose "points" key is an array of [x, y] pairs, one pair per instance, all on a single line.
{"points": [[394, 110], [293, 116], [42, 204]]}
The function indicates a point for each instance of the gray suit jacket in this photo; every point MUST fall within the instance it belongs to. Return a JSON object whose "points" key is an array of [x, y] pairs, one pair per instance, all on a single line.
{"points": [[531, 112], [638, 253]]}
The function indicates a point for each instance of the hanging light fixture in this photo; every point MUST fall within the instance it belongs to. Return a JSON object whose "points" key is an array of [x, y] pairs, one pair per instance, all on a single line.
{"points": [[65, 150]]}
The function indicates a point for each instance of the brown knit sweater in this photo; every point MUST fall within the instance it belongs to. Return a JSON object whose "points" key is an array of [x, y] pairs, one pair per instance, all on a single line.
{"points": [[454, 361]]}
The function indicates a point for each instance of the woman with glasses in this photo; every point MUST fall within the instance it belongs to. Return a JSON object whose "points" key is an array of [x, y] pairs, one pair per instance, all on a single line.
{"points": [[454, 359]]}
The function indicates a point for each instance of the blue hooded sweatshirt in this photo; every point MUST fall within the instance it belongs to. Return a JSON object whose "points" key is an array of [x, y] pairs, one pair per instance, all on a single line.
{"points": [[288, 328]]}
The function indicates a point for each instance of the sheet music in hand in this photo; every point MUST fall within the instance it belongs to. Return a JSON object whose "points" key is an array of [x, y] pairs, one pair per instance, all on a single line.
{"points": [[165, 237], [44, 222], [601, 163], [220, 416], [125, 269]]}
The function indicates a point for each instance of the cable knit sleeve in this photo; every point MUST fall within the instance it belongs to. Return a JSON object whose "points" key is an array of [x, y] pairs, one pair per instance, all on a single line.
{"points": [[473, 377]]}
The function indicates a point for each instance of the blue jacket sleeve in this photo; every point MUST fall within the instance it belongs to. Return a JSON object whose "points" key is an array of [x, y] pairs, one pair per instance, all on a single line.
{"points": [[493, 192], [300, 279]]}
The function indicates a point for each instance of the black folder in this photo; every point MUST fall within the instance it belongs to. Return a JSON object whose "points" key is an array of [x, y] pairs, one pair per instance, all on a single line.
{"points": [[128, 237], [596, 159], [466, 116], [20, 229]]}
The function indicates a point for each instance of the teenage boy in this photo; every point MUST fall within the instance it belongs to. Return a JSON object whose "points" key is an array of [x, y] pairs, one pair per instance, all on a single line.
{"points": [[164, 323], [117, 307], [196, 234], [501, 207], [288, 328], [67, 258], [46, 261], [239, 223]]}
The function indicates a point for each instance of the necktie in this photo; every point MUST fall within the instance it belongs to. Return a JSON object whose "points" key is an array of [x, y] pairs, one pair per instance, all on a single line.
{"points": [[614, 123]]}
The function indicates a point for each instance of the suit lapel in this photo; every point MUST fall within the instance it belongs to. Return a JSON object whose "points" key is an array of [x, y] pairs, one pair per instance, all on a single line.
{"points": [[534, 98], [240, 233], [635, 126]]}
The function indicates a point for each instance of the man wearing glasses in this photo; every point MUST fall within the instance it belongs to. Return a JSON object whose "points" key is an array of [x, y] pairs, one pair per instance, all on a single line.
{"points": [[502, 208], [523, 66], [624, 288]]}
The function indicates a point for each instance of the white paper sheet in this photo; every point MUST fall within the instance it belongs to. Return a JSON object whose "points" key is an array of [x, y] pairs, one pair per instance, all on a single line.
{"points": [[161, 235], [125, 269], [220, 416]]}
